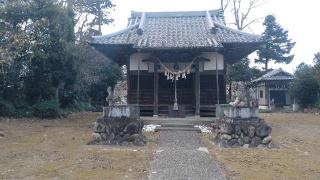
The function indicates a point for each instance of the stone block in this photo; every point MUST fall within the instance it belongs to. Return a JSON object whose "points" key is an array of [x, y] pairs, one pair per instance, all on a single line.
{"points": [[226, 137], [255, 141], [251, 131], [99, 127], [227, 128], [263, 130], [267, 140], [96, 137]]}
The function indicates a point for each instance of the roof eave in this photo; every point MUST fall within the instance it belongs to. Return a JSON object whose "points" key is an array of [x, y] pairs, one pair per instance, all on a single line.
{"points": [[209, 49]]}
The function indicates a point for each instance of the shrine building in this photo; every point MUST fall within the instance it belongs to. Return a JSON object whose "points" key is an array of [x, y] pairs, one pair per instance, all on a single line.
{"points": [[176, 61]]}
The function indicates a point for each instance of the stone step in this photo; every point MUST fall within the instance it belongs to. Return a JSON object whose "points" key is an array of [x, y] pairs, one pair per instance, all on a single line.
{"points": [[188, 125], [178, 129], [194, 121]]}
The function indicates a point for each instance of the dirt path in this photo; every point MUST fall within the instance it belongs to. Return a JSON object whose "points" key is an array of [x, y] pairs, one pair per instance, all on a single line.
{"points": [[56, 149], [299, 157]]}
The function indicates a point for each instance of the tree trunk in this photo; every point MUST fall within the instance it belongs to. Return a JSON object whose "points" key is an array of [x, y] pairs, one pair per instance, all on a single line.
{"points": [[99, 19], [60, 87], [266, 65], [56, 95]]}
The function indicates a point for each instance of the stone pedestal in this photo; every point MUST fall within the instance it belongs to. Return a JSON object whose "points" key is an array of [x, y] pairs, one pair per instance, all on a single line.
{"points": [[228, 111], [129, 111]]}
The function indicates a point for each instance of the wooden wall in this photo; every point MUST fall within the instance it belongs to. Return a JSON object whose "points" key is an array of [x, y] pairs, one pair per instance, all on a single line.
{"points": [[208, 89], [185, 91]]}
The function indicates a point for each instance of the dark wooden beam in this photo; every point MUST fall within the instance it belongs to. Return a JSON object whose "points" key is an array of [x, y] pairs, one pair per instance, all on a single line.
{"points": [[197, 89], [149, 60], [155, 90], [202, 59]]}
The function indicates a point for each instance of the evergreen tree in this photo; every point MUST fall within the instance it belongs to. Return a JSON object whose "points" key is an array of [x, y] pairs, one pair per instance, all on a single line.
{"points": [[42, 68], [278, 45], [91, 15], [52, 66], [38, 35]]}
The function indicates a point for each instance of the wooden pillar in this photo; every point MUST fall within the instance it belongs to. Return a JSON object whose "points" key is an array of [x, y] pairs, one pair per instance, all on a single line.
{"points": [[155, 90], [197, 90], [217, 80], [138, 85], [128, 84]]}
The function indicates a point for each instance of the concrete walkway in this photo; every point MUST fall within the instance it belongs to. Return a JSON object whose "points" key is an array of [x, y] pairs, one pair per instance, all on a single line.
{"points": [[182, 155]]}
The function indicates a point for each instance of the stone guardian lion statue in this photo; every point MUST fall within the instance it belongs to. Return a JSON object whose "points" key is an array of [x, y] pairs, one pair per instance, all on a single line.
{"points": [[244, 96]]}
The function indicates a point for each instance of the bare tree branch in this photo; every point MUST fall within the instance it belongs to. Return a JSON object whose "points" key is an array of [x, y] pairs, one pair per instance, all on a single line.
{"points": [[242, 9], [80, 30], [224, 4], [78, 19], [252, 21]]}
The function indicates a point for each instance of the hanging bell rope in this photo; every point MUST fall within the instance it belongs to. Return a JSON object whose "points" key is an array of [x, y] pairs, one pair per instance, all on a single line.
{"points": [[175, 75], [175, 105], [172, 74]]}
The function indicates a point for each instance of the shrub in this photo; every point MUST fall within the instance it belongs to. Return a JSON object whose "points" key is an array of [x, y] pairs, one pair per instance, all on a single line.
{"points": [[47, 109], [7, 109], [81, 106], [24, 111], [86, 107]]}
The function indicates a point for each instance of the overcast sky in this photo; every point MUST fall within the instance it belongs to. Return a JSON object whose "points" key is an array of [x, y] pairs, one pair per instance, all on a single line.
{"points": [[299, 17]]}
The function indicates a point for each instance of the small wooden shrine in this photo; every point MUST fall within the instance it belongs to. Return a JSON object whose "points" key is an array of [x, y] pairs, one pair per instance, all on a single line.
{"points": [[273, 89]]}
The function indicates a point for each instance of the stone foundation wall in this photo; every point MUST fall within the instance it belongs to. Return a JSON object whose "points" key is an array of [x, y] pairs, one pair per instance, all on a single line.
{"points": [[118, 131], [246, 133]]}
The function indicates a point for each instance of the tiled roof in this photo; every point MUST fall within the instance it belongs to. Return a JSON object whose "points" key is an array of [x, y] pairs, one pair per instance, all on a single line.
{"points": [[126, 36], [277, 74], [165, 30]]}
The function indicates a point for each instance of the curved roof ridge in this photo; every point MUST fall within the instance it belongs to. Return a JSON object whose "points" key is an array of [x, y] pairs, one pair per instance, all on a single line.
{"points": [[236, 30], [276, 71], [176, 13], [117, 32], [272, 75]]}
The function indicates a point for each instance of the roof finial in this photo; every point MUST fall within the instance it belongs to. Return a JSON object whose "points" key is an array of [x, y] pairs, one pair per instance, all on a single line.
{"points": [[140, 29], [210, 23]]}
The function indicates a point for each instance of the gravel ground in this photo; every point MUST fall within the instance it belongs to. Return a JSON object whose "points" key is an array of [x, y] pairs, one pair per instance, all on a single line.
{"points": [[182, 155]]}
